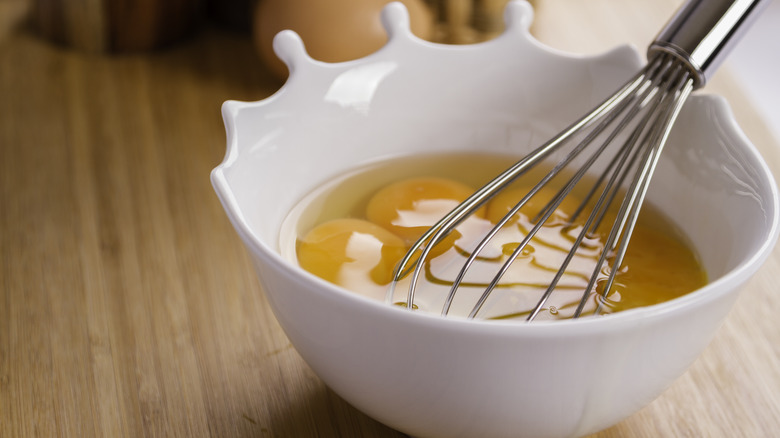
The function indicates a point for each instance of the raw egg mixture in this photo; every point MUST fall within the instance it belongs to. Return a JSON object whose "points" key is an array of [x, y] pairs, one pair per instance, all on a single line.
{"points": [[354, 230]]}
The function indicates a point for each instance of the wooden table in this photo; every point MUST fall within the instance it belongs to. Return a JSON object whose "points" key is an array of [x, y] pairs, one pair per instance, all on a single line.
{"points": [[128, 306]]}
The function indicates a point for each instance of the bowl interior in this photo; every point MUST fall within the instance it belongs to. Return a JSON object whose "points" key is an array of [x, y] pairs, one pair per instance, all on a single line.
{"points": [[710, 181]]}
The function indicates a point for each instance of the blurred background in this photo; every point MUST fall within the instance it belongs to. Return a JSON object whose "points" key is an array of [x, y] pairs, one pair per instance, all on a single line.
{"points": [[132, 25], [755, 63], [335, 30]]}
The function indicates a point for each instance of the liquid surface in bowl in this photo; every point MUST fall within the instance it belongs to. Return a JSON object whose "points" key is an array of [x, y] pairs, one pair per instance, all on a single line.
{"points": [[353, 230]]}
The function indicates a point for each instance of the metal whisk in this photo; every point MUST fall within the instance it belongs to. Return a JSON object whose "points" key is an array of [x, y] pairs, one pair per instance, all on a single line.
{"points": [[628, 131]]}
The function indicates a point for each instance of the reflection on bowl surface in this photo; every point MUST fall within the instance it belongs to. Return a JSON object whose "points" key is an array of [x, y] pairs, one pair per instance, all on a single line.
{"points": [[430, 376]]}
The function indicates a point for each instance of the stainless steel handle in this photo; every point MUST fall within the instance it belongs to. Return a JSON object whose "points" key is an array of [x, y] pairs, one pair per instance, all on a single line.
{"points": [[702, 33]]}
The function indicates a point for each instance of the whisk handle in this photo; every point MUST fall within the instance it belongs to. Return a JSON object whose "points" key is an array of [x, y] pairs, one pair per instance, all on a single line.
{"points": [[703, 32]]}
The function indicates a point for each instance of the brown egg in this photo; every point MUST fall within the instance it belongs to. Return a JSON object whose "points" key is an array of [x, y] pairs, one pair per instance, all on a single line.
{"points": [[332, 31]]}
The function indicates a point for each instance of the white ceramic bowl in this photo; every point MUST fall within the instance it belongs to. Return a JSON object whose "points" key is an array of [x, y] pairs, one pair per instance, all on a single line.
{"points": [[430, 376]]}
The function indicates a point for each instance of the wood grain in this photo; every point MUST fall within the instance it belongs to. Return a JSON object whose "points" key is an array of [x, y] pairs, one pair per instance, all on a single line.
{"points": [[128, 306]]}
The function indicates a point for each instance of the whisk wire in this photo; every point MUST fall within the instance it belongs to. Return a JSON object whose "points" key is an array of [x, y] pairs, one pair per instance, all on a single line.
{"points": [[451, 220], [629, 101], [550, 208], [673, 99], [543, 215], [628, 109], [645, 92], [628, 154]]}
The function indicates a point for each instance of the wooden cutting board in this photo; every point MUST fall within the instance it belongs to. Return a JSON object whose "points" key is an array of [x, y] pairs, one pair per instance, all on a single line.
{"points": [[128, 306]]}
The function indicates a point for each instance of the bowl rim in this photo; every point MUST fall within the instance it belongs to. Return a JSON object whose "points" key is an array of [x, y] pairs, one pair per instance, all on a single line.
{"points": [[712, 290]]}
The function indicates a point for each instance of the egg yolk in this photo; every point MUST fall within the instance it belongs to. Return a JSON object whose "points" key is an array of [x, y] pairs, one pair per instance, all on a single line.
{"points": [[350, 252], [506, 200], [408, 208], [650, 249]]}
